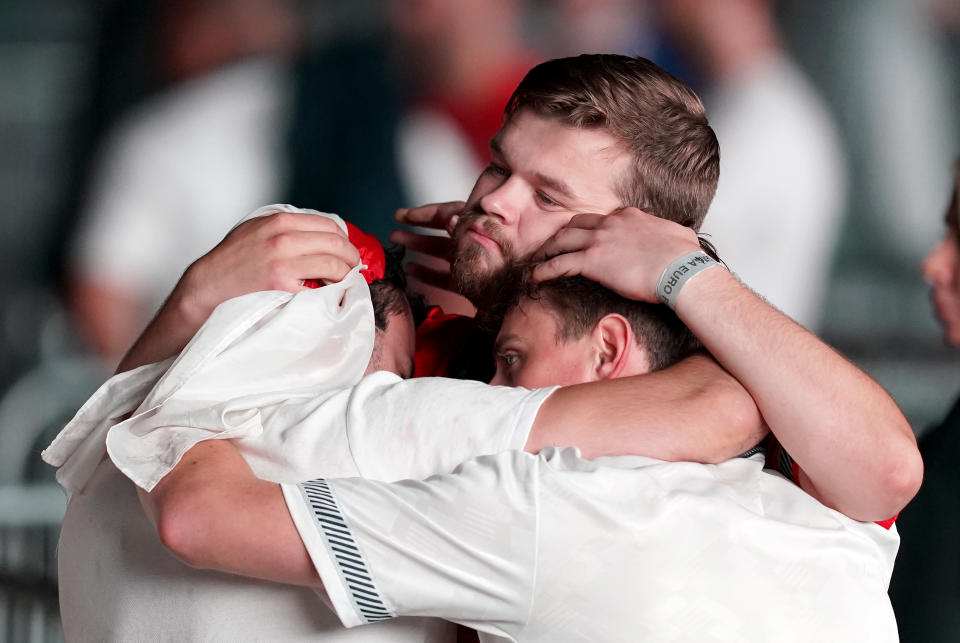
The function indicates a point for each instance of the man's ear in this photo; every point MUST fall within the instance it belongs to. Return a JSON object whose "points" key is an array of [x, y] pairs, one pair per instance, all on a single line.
{"points": [[616, 348]]}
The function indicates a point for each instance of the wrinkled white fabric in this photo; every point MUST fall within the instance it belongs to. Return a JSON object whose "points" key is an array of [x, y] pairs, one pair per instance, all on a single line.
{"points": [[281, 375], [247, 354]]}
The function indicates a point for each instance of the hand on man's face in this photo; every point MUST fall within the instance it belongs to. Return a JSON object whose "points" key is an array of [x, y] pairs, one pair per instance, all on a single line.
{"points": [[626, 251], [541, 172], [441, 217]]}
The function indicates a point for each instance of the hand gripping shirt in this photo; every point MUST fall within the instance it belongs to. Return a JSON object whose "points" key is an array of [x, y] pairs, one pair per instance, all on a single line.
{"points": [[557, 548], [281, 375]]}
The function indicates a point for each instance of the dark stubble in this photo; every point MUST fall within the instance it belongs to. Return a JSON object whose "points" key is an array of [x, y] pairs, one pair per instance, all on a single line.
{"points": [[481, 285]]}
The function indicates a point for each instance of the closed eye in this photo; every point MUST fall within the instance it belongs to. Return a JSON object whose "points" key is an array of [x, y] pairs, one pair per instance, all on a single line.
{"points": [[498, 170], [545, 200]]}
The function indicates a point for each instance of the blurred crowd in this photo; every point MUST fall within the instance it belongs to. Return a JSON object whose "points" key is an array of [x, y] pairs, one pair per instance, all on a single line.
{"points": [[175, 118]]}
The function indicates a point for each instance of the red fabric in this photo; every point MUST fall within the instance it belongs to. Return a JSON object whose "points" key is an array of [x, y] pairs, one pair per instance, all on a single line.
{"points": [[438, 340], [888, 523], [371, 255]]}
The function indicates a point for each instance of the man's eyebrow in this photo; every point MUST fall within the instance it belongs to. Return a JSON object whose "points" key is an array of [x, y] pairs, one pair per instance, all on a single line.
{"points": [[553, 183], [557, 185], [503, 339]]}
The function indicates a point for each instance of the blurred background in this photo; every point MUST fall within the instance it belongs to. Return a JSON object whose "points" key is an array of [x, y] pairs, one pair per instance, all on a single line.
{"points": [[134, 134]]}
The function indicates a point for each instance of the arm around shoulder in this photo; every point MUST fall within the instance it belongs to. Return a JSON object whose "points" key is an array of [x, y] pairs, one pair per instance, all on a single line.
{"points": [[852, 442], [693, 411], [211, 512]]}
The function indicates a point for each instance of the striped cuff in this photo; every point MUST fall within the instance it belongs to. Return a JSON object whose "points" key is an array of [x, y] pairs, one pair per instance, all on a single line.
{"points": [[344, 553]]}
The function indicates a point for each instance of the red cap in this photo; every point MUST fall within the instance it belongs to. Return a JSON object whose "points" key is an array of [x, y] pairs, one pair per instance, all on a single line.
{"points": [[371, 255]]}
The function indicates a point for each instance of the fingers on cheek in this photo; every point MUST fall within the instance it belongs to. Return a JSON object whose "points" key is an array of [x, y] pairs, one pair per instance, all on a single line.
{"points": [[553, 268]]}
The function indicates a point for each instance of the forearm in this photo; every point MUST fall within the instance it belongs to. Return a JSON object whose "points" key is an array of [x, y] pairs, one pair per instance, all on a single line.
{"points": [[211, 512], [268, 252], [841, 428], [180, 317], [693, 411]]}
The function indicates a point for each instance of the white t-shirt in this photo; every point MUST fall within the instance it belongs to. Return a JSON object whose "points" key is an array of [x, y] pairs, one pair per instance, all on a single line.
{"points": [[178, 172], [553, 547], [279, 374], [118, 583]]}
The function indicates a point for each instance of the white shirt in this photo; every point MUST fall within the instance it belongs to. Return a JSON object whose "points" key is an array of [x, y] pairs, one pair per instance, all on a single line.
{"points": [[280, 374], [556, 548], [178, 172]]}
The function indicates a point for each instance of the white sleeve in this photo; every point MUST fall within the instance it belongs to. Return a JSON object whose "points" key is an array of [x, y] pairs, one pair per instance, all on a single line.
{"points": [[418, 427], [461, 546], [125, 242]]}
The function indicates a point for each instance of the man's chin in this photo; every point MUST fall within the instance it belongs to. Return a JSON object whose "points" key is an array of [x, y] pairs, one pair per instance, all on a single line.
{"points": [[479, 278]]}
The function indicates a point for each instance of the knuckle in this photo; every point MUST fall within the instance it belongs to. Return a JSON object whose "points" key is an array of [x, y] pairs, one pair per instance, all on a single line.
{"points": [[555, 265], [593, 260], [336, 243], [282, 220], [280, 242], [331, 267]]}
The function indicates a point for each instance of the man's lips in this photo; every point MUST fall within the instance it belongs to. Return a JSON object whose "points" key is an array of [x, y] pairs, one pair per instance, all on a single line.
{"points": [[478, 234]]}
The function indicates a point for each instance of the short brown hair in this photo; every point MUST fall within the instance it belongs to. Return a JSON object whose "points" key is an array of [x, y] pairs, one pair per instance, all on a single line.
{"points": [[578, 303], [657, 118], [389, 293]]}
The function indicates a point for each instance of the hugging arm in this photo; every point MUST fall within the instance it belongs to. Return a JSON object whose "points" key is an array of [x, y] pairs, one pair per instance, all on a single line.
{"points": [[693, 411], [211, 512], [856, 451]]}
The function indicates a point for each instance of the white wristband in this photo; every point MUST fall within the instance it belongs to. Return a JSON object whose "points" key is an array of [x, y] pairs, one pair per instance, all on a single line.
{"points": [[680, 271]]}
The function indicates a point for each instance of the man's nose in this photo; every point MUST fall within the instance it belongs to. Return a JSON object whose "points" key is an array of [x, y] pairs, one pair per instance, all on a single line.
{"points": [[505, 202]]}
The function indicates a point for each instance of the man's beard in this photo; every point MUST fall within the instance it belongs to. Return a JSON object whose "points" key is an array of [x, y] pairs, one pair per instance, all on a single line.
{"points": [[481, 285]]}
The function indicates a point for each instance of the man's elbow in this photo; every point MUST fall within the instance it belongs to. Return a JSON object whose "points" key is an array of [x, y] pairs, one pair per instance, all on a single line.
{"points": [[901, 474], [737, 418], [903, 480], [885, 494], [182, 532]]}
